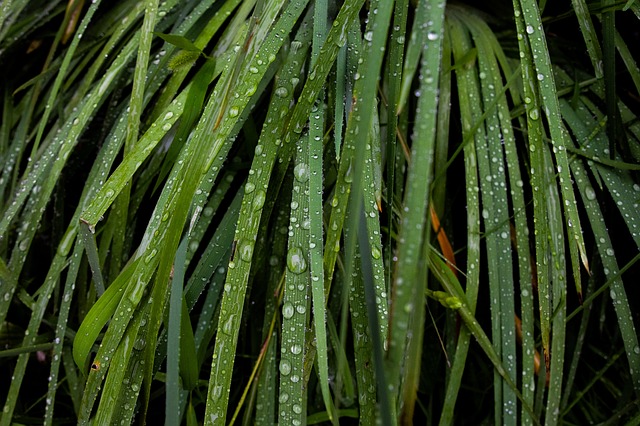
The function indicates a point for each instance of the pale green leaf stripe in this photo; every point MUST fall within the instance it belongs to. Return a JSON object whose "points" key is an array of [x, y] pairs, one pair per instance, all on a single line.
{"points": [[419, 176], [559, 137], [292, 406]]}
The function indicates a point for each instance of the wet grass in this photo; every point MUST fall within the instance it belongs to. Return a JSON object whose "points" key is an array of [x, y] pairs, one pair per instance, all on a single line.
{"points": [[303, 212]]}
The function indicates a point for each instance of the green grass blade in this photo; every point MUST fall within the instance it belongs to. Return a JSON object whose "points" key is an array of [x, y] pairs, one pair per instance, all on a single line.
{"points": [[295, 307], [315, 215], [548, 94], [232, 303], [406, 289]]}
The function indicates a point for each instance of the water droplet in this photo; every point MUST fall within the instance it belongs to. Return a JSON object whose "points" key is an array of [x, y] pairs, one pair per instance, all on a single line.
{"points": [[168, 115], [285, 367], [287, 310], [296, 349], [432, 36], [253, 70], [259, 199], [540, 77], [301, 172], [282, 92], [368, 35], [249, 188], [296, 261], [166, 127], [234, 111], [529, 29], [375, 253], [245, 248], [533, 114], [590, 193], [227, 328], [151, 256]]}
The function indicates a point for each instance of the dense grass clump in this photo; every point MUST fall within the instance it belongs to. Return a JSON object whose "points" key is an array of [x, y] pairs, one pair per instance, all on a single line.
{"points": [[311, 212]]}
